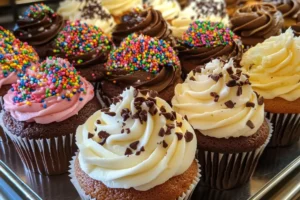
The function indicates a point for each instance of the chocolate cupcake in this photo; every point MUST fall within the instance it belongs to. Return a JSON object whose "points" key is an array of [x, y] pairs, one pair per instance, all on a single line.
{"points": [[204, 41], [170, 9], [138, 148], [38, 26], [228, 118], [233, 5], [257, 22], [296, 27], [15, 58], [144, 63], [87, 11], [42, 112], [289, 10], [85, 46], [148, 22], [203, 10], [273, 67]]}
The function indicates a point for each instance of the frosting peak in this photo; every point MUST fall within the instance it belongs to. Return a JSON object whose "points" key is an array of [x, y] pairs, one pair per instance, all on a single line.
{"points": [[138, 142], [218, 100]]}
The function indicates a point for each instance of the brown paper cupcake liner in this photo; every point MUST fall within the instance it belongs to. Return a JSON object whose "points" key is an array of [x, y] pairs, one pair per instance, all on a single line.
{"points": [[45, 156], [286, 129], [3, 136], [185, 196], [229, 170]]}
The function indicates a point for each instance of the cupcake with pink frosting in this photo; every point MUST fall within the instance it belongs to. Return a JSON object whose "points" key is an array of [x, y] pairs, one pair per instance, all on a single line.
{"points": [[42, 112]]}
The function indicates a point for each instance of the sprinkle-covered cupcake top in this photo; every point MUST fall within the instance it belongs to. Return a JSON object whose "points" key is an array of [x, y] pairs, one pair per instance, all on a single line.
{"points": [[80, 38], [208, 34], [141, 52], [6, 35], [53, 77], [37, 10]]}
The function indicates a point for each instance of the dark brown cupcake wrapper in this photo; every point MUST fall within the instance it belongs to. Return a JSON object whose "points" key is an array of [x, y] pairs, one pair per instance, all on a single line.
{"points": [[225, 171], [286, 129], [44, 156], [185, 196], [3, 136]]}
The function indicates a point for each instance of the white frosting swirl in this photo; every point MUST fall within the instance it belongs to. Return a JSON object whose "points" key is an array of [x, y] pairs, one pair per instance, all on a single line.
{"points": [[76, 10], [204, 101], [274, 66], [170, 9], [118, 7], [153, 166]]}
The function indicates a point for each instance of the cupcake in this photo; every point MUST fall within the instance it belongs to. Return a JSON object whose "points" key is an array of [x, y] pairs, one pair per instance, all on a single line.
{"points": [[120, 7], [228, 119], [257, 22], [170, 9], [296, 27], [204, 41], [289, 10], [233, 5], [38, 26], [138, 148], [144, 63], [87, 11], [148, 22], [85, 46], [274, 69], [42, 112], [203, 10], [15, 58]]}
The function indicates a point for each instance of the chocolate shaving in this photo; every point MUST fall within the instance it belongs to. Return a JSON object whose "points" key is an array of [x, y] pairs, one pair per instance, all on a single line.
{"points": [[192, 78], [168, 131], [134, 145], [229, 70], [179, 135], [128, 152], [161, 132], [250, 104], [179, 124], [153, 110], [229, 104], [215, 77], [260, 100], [125, 113], [188, 136], [165, 144], [239, 91], [127, 130], [111, 113], [250, 124], [103, 134], [90, 135], [162, 109], [98, 121], [142, 148]]}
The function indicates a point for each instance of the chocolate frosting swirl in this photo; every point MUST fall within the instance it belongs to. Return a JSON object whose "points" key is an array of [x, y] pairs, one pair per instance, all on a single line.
{"points": [[40, 28], [288, 8], [148, 22], [257, 22], [296, 27]]}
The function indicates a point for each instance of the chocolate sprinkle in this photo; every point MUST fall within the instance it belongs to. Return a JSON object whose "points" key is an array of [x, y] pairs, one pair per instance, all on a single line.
{"points": [[162, 109], [188, 136], [128, 152], [231, 83], [215, 77], [127, 130], [153, 111], [98, 121], [229, 104], [179, 135], [134, 145], [239, 91], [142, 148], [103, 134], [229, 70], [138, 153], [90, 135], [250, 104], [161, 132], [111, 113], [165, 145], [250, 124], [125, 113], [260, 100]]}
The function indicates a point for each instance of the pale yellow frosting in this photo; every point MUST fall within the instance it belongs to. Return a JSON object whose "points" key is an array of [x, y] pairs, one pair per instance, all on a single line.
{"points": [[196, 98], [274, 67], [170, 9], [118, 7], [164, 155]]}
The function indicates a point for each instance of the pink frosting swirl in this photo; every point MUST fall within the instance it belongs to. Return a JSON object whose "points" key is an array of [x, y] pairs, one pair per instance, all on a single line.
{"points": [[57, 109], [10, 79]]}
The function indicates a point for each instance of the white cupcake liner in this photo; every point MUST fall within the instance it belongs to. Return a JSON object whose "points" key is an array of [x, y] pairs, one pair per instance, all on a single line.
{"points": [[286, 128], [229, 170], [44, 156], [185, 196]]}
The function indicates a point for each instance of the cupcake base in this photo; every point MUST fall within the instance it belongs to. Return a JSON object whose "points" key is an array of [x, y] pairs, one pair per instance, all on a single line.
{"points": [[82, 182], [227, 170], [286, 129], [3, 90]]}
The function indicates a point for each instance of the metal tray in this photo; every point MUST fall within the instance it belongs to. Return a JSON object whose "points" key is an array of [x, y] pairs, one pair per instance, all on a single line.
{"points": [[277, 177]]}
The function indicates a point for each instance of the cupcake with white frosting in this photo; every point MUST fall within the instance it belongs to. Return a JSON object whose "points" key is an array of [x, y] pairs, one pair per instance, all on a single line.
{"points": [[228, 118], [170, 9], [138, 148]]}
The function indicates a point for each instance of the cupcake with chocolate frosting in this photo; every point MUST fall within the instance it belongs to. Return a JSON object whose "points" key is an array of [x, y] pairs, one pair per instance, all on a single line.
{"points": [[228, 118], [274, 69], [289, 10], [138, 148], [233, 5], [85, 46], [148, 22], [296, 27], [144, 63], [43, 109], [204, 41], [87, 11], [257, 22], [170, 9], [38, 26]]}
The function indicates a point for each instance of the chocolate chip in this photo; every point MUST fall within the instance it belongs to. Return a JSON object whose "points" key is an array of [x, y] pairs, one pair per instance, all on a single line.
{"points": [[168, 131], [161, 132], [229, 104], [231, 83], [134, 145], [238, 71], [229, 70], [138, 153], [239, 91], [103, 134], [142, 148], [143, 115], [188, 136], [102, 142], [111, 113], [153, 94], [246, 75], [250, 124], [179, 135], [167, 115], [152, 99], [260, 100], [234, 77], [90, 135], [139, 99], [216, 99], [213, 94], [247, 82], [128, 152], [165, 145], [185, 117], [192, 78], [179, 124], [153, 111], [127, 130], [170, 126], [125, 113], [98, 121], [250, 104], [162, 109], [173, 116], [150, 104], [104, 109], [215, 77]]}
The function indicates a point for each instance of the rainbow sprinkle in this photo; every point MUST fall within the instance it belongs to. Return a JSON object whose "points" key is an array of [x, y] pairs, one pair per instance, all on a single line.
{"points": [[141, 52], [53, 77], [208, 34], [80, 38], [37, 10], [15, 56]]}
